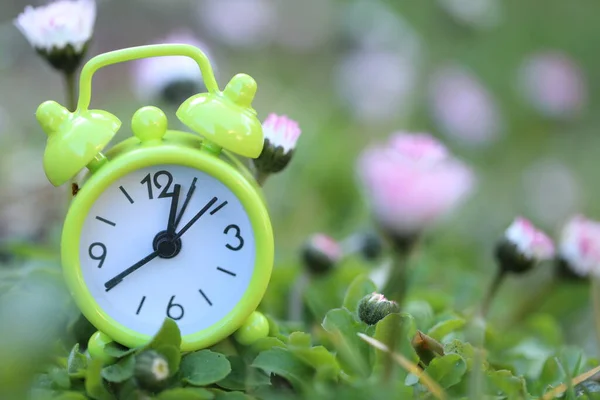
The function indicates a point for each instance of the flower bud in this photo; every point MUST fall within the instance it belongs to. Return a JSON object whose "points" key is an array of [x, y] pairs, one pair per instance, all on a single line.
{"points": [[151, 370], [281, 135], [320, 253], [371, 246], [374, 307], [522, 247], [59, 31], [579, 249]]}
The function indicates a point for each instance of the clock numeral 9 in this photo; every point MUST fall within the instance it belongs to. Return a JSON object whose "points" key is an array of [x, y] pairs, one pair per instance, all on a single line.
{"points": [[178, 310], [240, 239], [165, 190], [101, 257]]}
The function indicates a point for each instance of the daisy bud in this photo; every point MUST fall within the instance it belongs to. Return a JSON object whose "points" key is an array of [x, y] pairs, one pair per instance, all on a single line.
{"points": [[579, 248], [412, 184], [281, 135], [60, 31], [523, 246], [320, 253], [172, 79], [374, 307], [151, 370]]}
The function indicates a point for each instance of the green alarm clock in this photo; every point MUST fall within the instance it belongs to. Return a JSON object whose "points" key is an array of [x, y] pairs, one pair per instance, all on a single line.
{"points": [[165, 224]]}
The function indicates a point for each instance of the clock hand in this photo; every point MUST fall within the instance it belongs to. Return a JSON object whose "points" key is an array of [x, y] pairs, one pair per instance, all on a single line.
{"points": [[195, 218], [186, 202], [111, 283], [173, 212]]}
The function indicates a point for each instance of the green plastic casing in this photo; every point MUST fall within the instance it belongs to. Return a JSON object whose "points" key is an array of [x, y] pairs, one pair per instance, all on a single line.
{"points": [[226, 124]]}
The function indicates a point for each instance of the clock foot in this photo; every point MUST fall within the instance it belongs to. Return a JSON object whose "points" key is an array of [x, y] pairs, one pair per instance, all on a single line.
{"points": [[254, 328], [96, 345]]}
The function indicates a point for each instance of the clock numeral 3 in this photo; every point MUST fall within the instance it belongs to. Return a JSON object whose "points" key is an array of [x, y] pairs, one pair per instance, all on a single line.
{"points": [[165, 188], [240, 239], [100, 257], [178, 310]]}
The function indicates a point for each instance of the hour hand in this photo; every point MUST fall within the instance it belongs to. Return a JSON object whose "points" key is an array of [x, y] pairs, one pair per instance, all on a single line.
{"points": [[111, 283], [173, 212]]}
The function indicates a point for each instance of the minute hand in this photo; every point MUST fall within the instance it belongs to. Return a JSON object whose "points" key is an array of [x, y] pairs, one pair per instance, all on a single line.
{"points": [[195, 218], [111, 283]]}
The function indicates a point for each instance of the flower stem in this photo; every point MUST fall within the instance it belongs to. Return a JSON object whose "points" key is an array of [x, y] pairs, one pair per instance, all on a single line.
{"points": [[70, 89], [533, 303], [595, 295], [396, 285], [491, 293], [261, 177]]}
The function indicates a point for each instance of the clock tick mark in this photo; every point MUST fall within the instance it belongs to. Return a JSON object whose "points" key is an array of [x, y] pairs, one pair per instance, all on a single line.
{"points": [[126, 194], [140, 306], [226, 271], [223, 204], [106, 221], [205, 298]]}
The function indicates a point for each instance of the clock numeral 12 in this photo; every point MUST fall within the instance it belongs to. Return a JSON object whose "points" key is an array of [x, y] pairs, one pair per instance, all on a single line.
{"points": [[240, 239], [101, 257], [178, 313], [165, 190]]}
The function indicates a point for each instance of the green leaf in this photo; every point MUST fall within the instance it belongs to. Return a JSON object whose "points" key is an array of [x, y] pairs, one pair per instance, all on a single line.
{"points": [[421, 312], [76, 363], [232, 396], [60, 378], [168, 335], [352, 352], [70, 396], [173, 356], [120, 371], [504, 381], [266, 344], [319, 358], [301, 339], [441, 329], [283, 363], [186, 394], [204, 367], [116, 350], [94, 385], [465, 350], [447, 370], [359, 288], [242, 376], [395, 331]]}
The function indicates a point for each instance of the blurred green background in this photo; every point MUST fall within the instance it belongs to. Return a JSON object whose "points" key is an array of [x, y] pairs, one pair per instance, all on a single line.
{"points": [[308, 58]]}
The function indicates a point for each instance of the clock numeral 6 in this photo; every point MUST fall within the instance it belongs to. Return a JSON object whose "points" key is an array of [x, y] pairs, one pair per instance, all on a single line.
{"points": [[240, 239], [165, 190], [101, 257], [178, 310]]}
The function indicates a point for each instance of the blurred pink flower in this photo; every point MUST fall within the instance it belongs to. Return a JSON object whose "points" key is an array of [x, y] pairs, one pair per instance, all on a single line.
{"points": [[281, 131], [553, 84], [238, 22], [462, 108], [153, 76], [529, 241], [58, 24], [376, 85], [326, 245], [408, 193], [580, 245]]}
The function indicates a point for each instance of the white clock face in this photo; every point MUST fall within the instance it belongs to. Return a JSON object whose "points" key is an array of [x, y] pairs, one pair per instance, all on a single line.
{"points": [[146, 255]]}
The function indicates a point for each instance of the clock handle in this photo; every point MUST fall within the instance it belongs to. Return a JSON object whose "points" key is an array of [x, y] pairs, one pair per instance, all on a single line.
{"points": [[135, 53]]}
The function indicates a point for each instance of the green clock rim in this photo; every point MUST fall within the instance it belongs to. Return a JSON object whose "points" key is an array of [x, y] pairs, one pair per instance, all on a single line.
{"points": [[156, 155]]}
